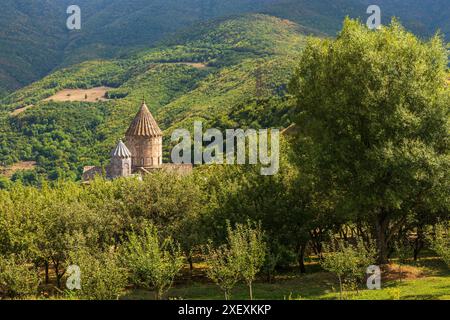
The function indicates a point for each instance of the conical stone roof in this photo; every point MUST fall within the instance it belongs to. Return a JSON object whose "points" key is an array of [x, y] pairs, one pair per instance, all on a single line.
{"points": [[144, 125], [121, 151]]}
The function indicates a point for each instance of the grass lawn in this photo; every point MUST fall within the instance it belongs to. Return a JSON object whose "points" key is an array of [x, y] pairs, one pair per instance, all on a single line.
{"points": [[427, 279]]}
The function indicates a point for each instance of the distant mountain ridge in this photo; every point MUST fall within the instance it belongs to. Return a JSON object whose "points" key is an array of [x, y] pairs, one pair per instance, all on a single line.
{"points": [[34, 39]]}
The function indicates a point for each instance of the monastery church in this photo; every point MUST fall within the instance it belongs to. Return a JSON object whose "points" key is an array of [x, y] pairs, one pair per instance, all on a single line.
{"points": [[140, 154]]}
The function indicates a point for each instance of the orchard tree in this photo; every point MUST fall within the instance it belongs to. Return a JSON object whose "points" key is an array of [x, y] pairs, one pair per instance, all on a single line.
{"points": [[223, 268], [17, 278], [282, 203], [166, 205], [102, 277], [348, 262], [242, 257], [247, 244], [373, 109], [152, 262], [69, 226], [18, 220]]}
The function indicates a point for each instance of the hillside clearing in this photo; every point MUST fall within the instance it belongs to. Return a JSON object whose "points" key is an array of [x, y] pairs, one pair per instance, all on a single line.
{"points": [[19, 166], [86, 95], [20, 110], [197, 65]]}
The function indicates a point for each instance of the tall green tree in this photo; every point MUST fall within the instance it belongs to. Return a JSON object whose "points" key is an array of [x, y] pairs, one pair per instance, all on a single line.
{"points": [[373, 111]]}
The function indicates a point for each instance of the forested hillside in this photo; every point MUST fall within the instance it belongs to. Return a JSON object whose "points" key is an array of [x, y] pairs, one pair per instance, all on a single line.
{"points": [[34, 39], [210, 74], [31, 41]]}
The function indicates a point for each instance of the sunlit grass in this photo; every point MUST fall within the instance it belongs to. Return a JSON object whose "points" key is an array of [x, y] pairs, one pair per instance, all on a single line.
{"points": [[434, 283]]}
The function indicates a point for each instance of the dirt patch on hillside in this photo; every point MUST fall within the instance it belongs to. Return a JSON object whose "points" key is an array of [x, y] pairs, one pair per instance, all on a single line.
{"points": [[86, 95], [20, 110], [197, 65], [19, 166]]}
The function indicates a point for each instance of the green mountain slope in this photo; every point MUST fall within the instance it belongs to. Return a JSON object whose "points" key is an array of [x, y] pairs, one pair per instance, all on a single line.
{"points": [[31, 40], [208, 75], [34, 40], [423, 18]]}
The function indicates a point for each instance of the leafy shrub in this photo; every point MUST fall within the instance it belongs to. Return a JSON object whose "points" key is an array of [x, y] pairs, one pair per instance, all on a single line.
{"points": [[348, 262], [116, 94], [242, 257], [440, 243], [102, 277], [152, 263], [17, 279], [223, 268], [246, 242]]}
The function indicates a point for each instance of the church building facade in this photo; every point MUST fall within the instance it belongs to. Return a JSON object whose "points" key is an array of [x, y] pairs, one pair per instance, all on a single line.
{"points": [[140, 154]]}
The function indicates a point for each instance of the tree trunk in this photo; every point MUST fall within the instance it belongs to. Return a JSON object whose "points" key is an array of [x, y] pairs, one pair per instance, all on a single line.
{"points": [[301, 257], [56, 265], [251, 290], [381, 229], [58, 280], [58, 277], [269, 276], [47, 278], [340, 287], [191, 267], [316, 241], [418, 243]]}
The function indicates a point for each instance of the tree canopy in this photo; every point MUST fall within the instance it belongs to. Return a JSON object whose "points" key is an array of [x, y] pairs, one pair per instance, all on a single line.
{"points": [[373, 111]]}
